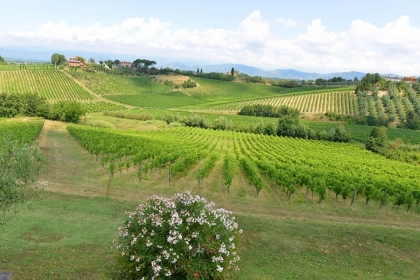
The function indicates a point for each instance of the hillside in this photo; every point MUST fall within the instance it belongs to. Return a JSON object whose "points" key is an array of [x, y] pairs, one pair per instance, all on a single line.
{"points": [[53, 85], [334, 209], [294, 237]]}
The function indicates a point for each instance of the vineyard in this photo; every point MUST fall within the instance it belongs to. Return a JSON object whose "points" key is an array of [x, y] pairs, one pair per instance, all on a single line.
{"points": [[21, 130], [108, 85], [336, 101], [158, 100], [269, 163], [101, 106], [51, 84]]}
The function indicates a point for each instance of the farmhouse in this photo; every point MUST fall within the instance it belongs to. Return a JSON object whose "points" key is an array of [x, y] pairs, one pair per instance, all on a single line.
{"points": [[74, 62], [125, 64], [392, 79], [410, 79]]}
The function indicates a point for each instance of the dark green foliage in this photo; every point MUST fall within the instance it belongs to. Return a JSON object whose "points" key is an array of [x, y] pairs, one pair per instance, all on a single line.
{"points": [[287, 83], [368, 81], [378, 141], [12, 105], [67, 111], [216, 76], [416, 86], [58, 59], [19, 166], [259, 110], [288, 125], [142, 65], [320, 82]]}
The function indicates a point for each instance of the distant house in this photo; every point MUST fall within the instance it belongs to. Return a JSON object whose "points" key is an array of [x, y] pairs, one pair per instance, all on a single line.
{"points": [[392, 79], [410, 79], [74, 62], [125, 64]]}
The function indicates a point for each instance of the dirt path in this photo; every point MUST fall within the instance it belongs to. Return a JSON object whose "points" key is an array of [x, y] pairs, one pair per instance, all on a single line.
{"points": [[68, 167]]}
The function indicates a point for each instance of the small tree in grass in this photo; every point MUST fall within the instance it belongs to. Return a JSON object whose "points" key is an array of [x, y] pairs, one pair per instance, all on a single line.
{"points": [[182, 237], [20, 165]]}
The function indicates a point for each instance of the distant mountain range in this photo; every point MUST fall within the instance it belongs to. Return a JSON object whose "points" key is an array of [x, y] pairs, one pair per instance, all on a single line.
{"points": [[278, 73], [42, 54]]}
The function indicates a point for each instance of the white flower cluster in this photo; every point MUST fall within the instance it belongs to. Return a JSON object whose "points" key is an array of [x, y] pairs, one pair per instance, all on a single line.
{"points": [[179, 237]]}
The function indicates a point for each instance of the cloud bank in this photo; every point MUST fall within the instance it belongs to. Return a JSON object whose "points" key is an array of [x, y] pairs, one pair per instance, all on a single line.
{"points": [[363, 47]]}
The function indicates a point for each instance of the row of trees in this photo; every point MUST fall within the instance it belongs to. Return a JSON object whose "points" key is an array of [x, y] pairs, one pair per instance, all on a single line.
{"points": [[13, 105], [260, 110], [287, 124]]}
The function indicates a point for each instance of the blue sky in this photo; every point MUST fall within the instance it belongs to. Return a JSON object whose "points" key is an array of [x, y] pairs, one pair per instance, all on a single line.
{"points": [[323, 36]]}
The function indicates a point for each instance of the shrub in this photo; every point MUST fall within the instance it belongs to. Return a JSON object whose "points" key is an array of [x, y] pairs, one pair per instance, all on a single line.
{"points": [[189, 84], [182, 237]]}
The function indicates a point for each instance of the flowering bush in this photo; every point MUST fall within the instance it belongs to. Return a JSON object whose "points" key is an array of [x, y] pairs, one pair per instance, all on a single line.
{"points": [[182, 237]]}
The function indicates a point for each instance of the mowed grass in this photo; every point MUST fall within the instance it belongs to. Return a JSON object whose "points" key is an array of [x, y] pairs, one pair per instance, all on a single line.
{"points": [[69, 233]]}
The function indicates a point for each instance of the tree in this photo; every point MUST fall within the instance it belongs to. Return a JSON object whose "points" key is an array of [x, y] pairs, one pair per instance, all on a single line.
{"points": [[79, 58], [101, 62], [19, 166], [67, 111], [117, 62], [91, 60], [320, 82], [1, 59], [232, 71], [148, 63], [58, 59], [109, 63], [378, 140], [287, 125]]}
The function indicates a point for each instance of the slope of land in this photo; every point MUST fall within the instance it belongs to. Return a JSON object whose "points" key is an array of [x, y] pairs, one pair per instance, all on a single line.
{"points": [[69, 233]]}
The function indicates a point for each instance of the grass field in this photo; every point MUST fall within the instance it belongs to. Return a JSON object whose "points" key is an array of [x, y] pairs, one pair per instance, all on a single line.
{"points": [[69, 233]]}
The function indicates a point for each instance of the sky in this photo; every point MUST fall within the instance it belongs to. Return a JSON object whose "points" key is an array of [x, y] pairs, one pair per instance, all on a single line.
{"points": [[308, 35]]}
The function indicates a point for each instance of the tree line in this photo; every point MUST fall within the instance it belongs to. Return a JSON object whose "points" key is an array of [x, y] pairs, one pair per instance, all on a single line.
{"points": [[287, 124], [32, 105]]}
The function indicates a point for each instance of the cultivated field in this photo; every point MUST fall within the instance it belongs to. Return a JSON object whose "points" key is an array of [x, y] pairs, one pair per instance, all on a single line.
{"points": [[284, 238], [309, 209]]}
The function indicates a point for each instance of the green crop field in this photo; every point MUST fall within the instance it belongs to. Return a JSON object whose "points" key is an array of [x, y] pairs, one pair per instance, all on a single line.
{"points": [[29, 66], [339, 102], [157, 100], [76, 216], [281, 161], [54, 85], [100, 106], [22, 130], [108, 85]]}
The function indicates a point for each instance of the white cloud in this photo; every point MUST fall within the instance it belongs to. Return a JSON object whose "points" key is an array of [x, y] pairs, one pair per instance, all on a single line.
{"points": [[289, 23], [253, 29], [362, 47]]}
